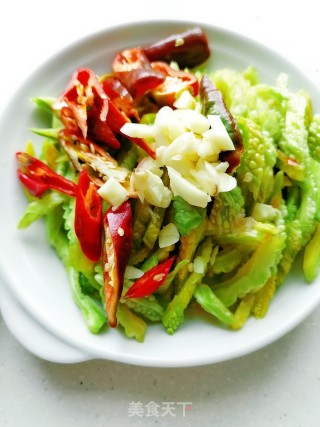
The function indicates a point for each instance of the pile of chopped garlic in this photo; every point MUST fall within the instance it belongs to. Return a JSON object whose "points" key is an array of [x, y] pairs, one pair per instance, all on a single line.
{"points": [[188, 144]]}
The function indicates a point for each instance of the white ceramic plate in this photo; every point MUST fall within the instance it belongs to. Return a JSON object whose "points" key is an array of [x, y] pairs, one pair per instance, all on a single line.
{"points": [[33, 336], [36, 277]]}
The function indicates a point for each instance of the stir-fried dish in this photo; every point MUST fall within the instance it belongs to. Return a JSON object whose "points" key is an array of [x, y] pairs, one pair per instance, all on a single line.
{"points": [[166, 186]]}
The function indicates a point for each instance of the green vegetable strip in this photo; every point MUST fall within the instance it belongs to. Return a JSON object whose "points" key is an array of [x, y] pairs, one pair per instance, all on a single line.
{"points": [[141, 218], [87, 288], [47, 133], [229, 259], [227, 214], [267, 107], [251, 74], [50, 153], [243, 311], [300, 229], [275, 198], [147, 307], [40, 207], [311, 258], [210, 303], [254, 273], [294, 141], [256, 234], [255, 172], [213, 257], [174, 314], [292, 203], [185, 216], [94, 315], [150, 262], [152, 232], [260, 103], [171, 276], [98, 274], [290, 167], [166, 292], [56, 233], [314, 137], [263, 297], [44, 103], [188, 247], [148, 118], [263, 212], [159, 255], [130, 159], [134, 326], [139, 255], [234, 88], [56, 122]]}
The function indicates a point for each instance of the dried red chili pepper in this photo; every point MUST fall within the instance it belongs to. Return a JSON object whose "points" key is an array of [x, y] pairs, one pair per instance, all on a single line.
{"points": [[133, 69], [97, 130], [116, 250], [88, 217], [86, 109], [120, 96], [175, 83], [38, 177], [116, 120], [188, 49], [90, 113], [83, 93], [68, 120], [151, 280], [101, 131]]}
